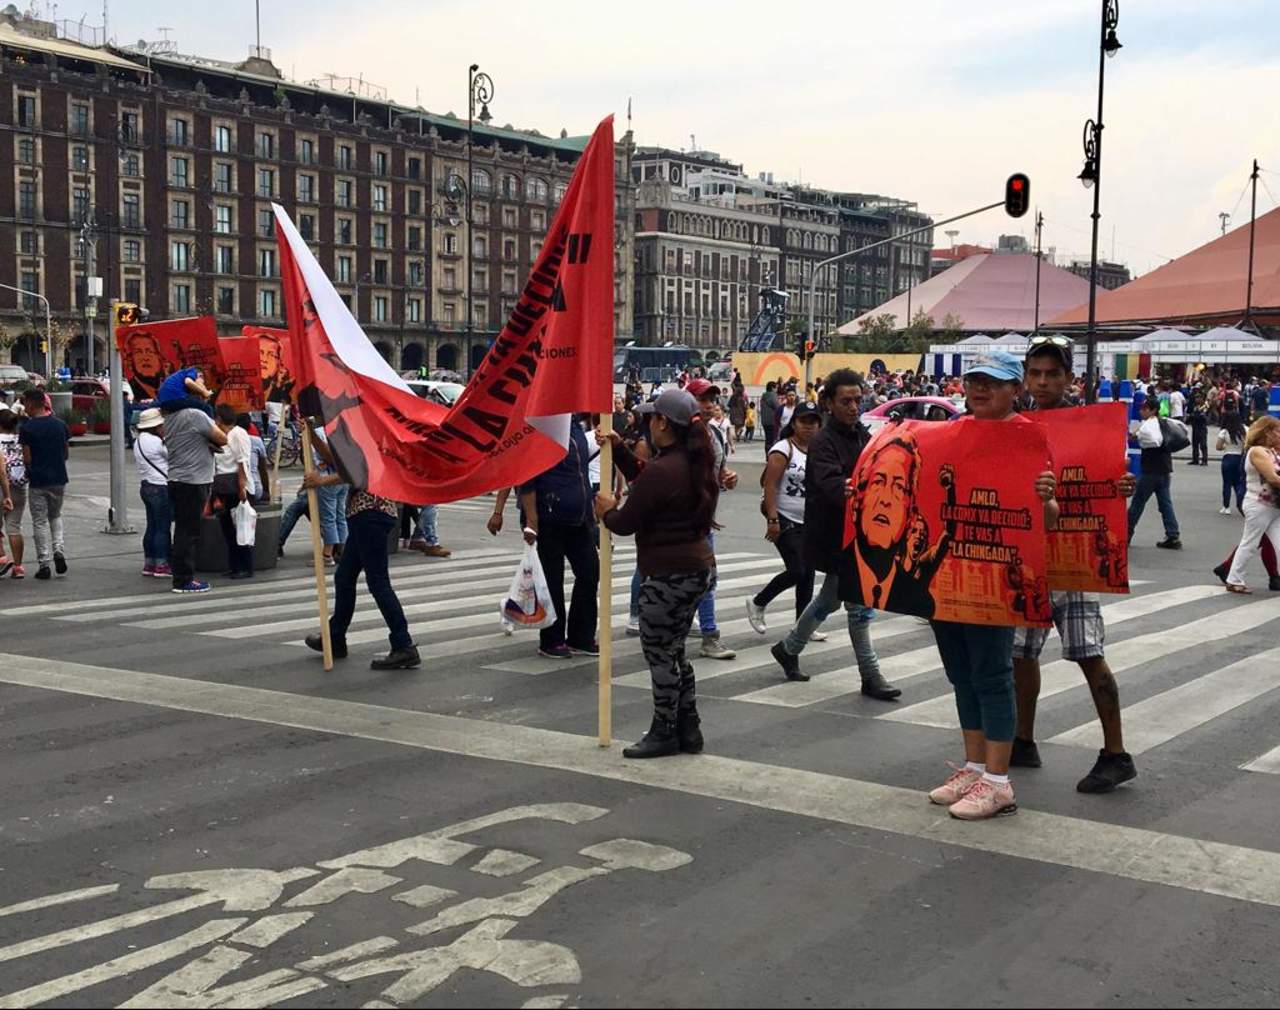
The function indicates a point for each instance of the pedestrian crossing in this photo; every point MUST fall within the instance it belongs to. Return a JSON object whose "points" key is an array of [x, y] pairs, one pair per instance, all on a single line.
{"points": [[1189, 660]]}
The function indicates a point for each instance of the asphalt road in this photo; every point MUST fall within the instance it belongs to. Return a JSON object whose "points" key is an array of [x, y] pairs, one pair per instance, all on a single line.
{"points": [[196, 815]]}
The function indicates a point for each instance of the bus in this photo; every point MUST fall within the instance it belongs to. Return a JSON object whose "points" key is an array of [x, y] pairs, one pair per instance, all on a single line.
{"points": [[654, 364]]}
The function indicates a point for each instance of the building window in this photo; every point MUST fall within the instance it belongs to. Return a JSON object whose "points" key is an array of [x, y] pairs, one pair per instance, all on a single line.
{"points": [[266, 223], [27, 151], [380, 308], [450, 243], [179, 132], [133, 290], [480, 312], [415, 310], [307, 226], [266, 147], [222, 174], [509, 249], [560, 191], [509, 217], [179, 214], [416, 272], [450, 281], [380, 163], [344, 157], [266, 182], [379, 271], [344, 269], [224, 259], [226, 301], [510, 187], [480, 278], [415, 201], [535, 250], [481, 181], [222, 139], [132, 215], [380, 235], [179, 172], [343, 193], [27, 111], [80, 119], [538, 220], [480, 247], [266, 262], [80, 204], [130, 127], [267, 304], [80, 158], [222, 220], [28, 244], [132, 251], [179, 256], [415, 168], [450, 312], [380, 198], [306, 189], [344, 232], [535, 189], [414, 241], [480, 212], [508, 282], [182, 298], [307, 152]]}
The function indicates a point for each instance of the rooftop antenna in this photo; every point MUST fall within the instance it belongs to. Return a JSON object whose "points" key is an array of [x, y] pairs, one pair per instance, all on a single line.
{"points": [[1225, 218], [693, 143], [257, 23]]}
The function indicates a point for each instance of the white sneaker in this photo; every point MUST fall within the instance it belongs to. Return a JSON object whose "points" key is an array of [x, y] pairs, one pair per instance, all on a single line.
{"points": [[633, 628], [755, 617], [1224, 512], [818, 636]]}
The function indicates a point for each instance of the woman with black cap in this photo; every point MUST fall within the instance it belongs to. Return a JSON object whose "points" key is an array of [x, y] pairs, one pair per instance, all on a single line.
{"points": [[783, 507], [670, 509]]}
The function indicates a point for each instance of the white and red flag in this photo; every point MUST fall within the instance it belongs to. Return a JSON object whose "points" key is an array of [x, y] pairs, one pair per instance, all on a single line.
{"points": [[552, 359]]}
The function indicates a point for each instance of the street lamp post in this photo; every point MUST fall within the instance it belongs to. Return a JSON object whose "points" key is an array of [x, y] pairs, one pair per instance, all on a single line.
{"points": [[1039, 260], [1091, 176], [48, 327], [479, 92]]}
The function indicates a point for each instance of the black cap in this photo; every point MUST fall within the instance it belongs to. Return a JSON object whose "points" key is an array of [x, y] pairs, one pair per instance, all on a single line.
{"points": [[807, 407], [1057, 345]]}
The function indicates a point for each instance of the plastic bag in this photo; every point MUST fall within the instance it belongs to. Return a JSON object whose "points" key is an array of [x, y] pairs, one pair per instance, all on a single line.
{"points": [[246, 522], [528, 601], [1176, 435]]}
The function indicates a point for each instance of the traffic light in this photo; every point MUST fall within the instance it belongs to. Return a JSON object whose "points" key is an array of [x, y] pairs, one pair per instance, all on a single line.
{"points": [[800, 343], [1017, 195], [129, 314], [809, 348]]}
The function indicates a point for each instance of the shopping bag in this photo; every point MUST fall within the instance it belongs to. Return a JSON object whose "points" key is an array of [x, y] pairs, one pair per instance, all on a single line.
{"points": [[528, 601], [246, 522]]}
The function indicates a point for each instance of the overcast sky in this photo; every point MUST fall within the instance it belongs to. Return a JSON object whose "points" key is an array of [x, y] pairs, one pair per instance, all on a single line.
{"points": [[932, 100]]}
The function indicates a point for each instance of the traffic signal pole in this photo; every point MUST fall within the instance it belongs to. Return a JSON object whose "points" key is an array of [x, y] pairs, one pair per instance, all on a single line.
{"points": [[813, 281], [118, 513]]}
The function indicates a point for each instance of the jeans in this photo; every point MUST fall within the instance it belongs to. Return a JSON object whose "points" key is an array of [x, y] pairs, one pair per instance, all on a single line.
{"points": [[635, 594], [978, 659], [333, 513], [46, 521], [188, 501], [294, 511], [790, 545], [823, 606], [557, 544], [366, 550], [155, 538], [426, 528], [1233, 479], [707, 608], [1157, 484]]}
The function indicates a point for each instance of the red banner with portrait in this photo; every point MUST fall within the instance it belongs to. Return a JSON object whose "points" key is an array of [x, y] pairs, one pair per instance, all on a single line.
{"points": [[275, 362], [1089, 550], [945, 523], [151, 352], [241, 373]]}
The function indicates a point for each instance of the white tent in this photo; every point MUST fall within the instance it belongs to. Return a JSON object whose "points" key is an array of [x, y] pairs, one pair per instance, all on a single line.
{"points": [[976, 339]]}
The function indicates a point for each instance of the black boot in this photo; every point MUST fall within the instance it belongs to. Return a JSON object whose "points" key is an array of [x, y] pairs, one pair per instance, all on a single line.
{"points": [[1221, 573], [790, 664], [689, 730], [875, 686], [660, 741], [1274, 584], [338, 645], [398, 659]]}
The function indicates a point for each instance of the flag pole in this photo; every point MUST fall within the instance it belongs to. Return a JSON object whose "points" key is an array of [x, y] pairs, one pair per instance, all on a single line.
{"points": [[605, 718], [275, 471], [317, 551]]}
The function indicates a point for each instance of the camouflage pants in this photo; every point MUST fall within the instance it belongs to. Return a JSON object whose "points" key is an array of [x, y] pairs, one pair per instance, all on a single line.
{"points": [[667, 606]]}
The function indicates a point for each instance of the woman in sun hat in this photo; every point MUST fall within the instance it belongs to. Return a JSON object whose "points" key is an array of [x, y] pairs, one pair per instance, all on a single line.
{"points": [[152, 461]]}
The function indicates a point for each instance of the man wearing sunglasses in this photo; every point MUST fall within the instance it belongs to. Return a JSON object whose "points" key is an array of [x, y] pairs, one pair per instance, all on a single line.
{"points": [[1078, 616]]}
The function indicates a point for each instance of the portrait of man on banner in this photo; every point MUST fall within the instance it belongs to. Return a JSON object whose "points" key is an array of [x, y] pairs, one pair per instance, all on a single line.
{"points": [[277, 378], [934, 530], [144, 361]]}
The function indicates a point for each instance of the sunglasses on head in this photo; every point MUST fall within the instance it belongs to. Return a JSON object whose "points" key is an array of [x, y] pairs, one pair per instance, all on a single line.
{"points": [[1050, 341]]}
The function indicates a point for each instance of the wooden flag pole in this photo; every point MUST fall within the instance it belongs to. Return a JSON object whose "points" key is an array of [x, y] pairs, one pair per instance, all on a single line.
{"points": [[275, 470], [317, 551], [605, 720]]}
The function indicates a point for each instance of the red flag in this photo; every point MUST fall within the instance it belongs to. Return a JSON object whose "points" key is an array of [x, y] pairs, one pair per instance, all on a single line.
{"points": [[551, 360]]}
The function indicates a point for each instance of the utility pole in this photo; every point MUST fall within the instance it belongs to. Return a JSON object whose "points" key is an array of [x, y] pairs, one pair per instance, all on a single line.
{"points": [[1224, 217], [1039, 260], [1253, 224]]}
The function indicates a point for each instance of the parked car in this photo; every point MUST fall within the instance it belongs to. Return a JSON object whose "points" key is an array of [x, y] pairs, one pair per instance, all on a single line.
{"points": [[85, 392], [911, 408], [445, 393]]}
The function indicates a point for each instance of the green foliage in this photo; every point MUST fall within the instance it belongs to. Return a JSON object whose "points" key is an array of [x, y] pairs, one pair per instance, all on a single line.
{"points": [[101, 411], [70, 416]]}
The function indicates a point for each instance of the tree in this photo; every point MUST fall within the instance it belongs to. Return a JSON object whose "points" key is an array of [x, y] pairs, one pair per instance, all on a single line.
{"points": [[951, 329], [919, 331]]}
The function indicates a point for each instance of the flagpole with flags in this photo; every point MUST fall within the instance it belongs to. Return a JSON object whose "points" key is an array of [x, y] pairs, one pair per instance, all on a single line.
{"points": [[317, 553], [604, 719]]}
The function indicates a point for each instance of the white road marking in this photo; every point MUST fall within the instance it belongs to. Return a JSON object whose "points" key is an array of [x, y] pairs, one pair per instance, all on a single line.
{"points": [[1063, 675], [349, 881], [504, 863], [1268, 763], [65, 898], [192, 984], [1158, 719], [838, 683], [424, 896], [1194, 864], [269, 929], [351, 953]]}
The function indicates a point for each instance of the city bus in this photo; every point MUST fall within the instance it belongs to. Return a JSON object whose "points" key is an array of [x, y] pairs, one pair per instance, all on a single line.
{"points": [[654, 364]]}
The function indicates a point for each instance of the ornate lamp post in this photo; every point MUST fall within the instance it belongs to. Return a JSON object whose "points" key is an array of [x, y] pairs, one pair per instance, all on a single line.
{"points": [[1091, 177]]}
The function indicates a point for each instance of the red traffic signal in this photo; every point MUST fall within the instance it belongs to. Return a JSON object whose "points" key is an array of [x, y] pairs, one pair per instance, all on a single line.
{"points": [[1017, 195]]}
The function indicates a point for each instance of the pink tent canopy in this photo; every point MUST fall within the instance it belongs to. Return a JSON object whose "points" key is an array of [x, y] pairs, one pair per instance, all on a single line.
{"points": [[988, 292]]}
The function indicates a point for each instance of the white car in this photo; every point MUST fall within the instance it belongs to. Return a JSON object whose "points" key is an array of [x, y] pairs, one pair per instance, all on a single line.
{"points": [[445, 393]]}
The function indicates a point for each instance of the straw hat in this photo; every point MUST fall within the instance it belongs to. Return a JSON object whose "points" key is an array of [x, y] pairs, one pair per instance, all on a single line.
{"points": [[150, 418]]}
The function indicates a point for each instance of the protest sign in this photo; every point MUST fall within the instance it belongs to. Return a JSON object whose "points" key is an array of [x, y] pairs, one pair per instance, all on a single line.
{"points": [[242, 373], [150, 352], [274, 362]]}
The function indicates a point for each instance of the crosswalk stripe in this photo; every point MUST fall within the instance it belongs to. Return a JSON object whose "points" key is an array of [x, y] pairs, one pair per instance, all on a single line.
{"points": [[1158, 719], [403, 577], [1064, 675], [1268, 763], [758, 656], [444, 624], [908, 665]]}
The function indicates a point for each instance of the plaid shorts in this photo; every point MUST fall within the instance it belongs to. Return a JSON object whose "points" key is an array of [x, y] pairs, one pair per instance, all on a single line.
{"points": [[1078, 617]]}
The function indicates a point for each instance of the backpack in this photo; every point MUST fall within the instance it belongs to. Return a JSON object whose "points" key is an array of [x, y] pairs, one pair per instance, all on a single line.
{"points": [[1175, 434]]}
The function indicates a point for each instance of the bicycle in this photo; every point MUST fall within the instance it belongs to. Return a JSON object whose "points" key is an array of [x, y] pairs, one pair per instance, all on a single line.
{"points": [[291, 448]]}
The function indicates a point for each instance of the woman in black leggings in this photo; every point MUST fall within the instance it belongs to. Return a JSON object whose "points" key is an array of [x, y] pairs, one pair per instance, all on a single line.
{"points": [[783, 507]]}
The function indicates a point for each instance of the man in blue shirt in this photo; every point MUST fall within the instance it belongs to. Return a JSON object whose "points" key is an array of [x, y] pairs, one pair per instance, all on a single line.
{"points": [[44, 440]]}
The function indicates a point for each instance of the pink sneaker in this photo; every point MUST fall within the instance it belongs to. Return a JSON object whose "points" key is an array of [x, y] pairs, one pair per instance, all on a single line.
{"points": [[162, 572], [985, 800], [19, 572], [960, 782], [148, 570]]}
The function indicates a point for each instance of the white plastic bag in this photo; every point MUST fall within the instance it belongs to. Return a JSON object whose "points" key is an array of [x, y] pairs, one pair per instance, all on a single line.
{"points": [[528, 601], [246, 520]]}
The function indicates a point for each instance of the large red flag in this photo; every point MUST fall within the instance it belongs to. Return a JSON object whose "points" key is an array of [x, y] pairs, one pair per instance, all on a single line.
{"points": [[552, 359]]}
